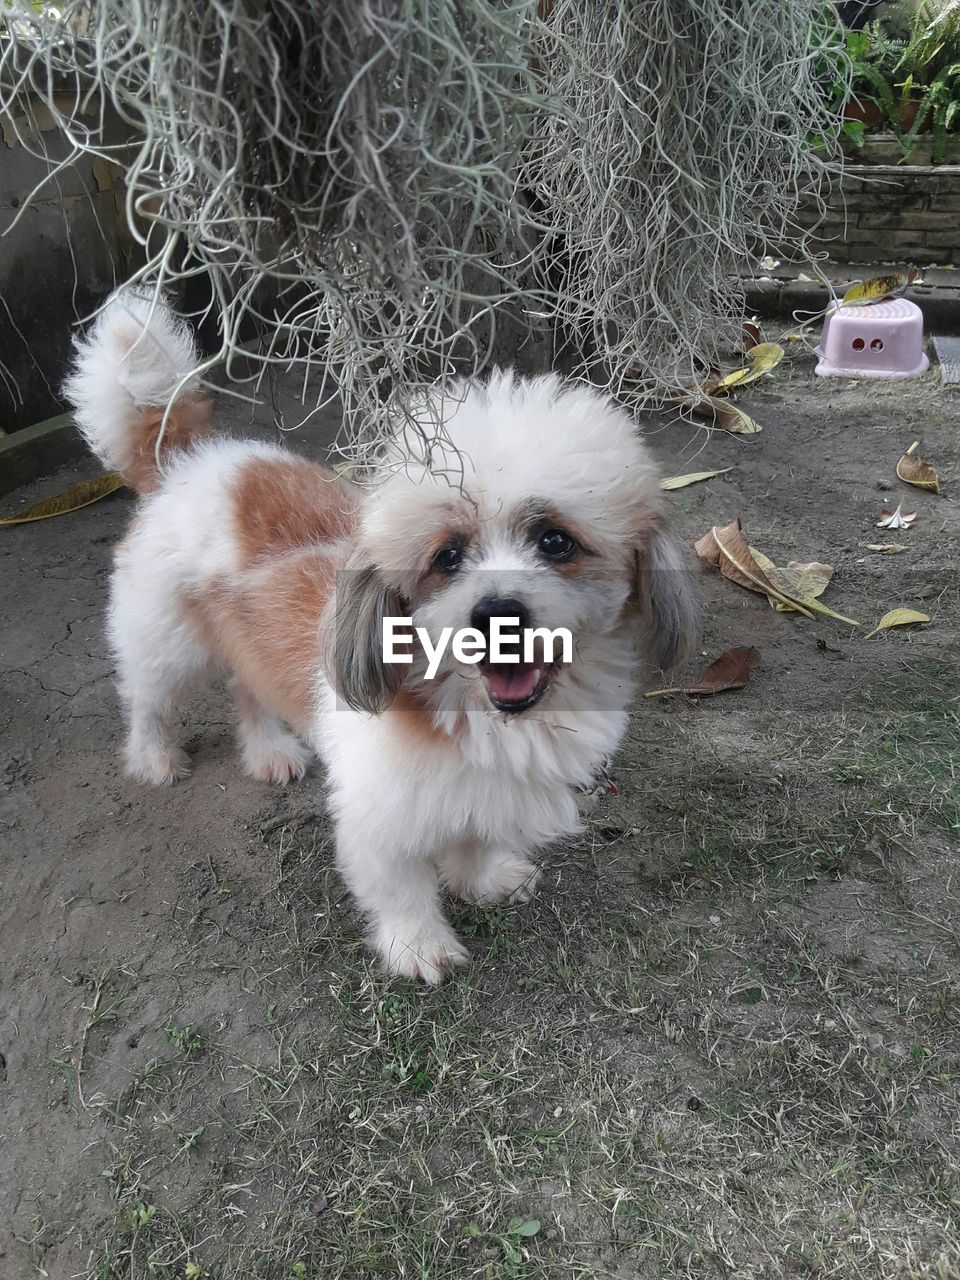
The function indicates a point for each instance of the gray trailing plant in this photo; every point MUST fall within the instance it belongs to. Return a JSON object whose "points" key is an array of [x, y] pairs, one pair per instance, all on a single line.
{"points": [[391, 191]]}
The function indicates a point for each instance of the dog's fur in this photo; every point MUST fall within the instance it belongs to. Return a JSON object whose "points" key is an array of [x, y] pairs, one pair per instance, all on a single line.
{"points": [[245, 559]]}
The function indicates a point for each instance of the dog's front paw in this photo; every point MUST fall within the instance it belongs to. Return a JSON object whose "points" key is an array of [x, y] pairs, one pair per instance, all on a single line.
{"points": [[159, 767], [484, 876], [425, 953], [288, 765], [506, 877]]}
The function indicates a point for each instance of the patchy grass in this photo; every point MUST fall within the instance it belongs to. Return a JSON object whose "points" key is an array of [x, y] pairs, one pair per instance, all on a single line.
{"points": [[723, 1043]]}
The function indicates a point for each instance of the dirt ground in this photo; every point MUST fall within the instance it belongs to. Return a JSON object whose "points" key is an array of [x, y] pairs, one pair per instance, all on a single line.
{"points": [[722, 1042]]}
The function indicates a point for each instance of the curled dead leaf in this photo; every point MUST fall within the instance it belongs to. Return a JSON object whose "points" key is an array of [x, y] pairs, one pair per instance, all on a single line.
{"points": [[730, 671], [707, 398], [897, 618], [734, 420], [728, 550], [915, 471], [72, 499], [750, 336], [693, 477], [792, 590], [885, 548], [725, 415]]}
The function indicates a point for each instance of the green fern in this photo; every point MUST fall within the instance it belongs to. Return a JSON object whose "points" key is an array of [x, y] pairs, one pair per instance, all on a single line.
{"points": [[911, 57]]}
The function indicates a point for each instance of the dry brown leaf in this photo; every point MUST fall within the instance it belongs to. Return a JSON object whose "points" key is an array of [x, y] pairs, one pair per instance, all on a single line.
{"points": [[692, 477], [917, 472], [727, 549], [730, 671], [750, 336], [708, 398], [879, 287], [885, 548], [898, 519], [792, 590], [799, 581], [72, 499], [897, 618], [726, 416], [730, 418], [802, 584]]}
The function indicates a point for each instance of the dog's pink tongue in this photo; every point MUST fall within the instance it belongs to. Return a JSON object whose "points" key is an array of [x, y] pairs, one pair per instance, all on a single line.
{"points": [[512, 682]]}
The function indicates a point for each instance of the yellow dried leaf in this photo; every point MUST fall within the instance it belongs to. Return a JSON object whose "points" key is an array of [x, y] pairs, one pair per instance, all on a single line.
{"points": [[800, 584], [885, 548], [734, 420], [722, 413], [729, 418], [763, 357], [822, 609], [343, 469], [804, 581], [915, 471], [72, 499], [897, 618], [879, 287], [694, 477]]}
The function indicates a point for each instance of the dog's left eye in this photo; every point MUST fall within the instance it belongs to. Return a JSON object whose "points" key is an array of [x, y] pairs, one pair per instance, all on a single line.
{"points": [[556, 544], [448, 559]]}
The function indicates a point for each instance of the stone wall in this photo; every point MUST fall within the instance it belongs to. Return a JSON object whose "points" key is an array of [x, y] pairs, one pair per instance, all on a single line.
{"points": [[59, 258], [884, 211]]}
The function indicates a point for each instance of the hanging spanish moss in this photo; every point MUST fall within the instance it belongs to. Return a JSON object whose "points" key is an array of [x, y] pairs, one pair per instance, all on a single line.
{"points": [[685, 137], [390, 191]]}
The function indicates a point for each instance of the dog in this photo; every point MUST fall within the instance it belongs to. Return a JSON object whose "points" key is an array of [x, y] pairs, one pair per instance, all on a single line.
{"points": [[528, 502]]}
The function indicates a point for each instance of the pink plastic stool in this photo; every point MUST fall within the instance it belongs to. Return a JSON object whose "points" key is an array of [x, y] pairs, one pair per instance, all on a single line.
{"points": [[882, 340]]}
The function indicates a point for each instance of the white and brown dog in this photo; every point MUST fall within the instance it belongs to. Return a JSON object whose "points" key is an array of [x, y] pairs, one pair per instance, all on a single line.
{"points": [[544, 507]]}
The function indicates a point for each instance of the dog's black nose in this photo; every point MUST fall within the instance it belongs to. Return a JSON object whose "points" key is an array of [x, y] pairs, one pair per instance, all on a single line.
{"points": [[499, 607]]}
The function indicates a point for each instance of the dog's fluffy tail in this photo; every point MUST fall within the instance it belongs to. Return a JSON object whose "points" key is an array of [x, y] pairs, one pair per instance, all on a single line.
{"points": [[132, 360]]}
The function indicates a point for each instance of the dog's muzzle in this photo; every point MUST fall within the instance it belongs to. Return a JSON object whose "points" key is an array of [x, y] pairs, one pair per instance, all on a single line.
{"points": [[515, 686]]}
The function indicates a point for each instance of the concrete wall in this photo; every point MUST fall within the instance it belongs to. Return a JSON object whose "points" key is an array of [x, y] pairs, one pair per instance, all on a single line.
{"points": [[66, 252], [885, 211]]}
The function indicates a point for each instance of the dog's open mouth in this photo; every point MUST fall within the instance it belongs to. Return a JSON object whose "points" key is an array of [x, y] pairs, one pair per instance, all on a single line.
{"points": [[515, 686]]}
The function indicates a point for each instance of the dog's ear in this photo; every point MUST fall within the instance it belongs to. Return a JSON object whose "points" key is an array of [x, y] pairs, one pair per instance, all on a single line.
{"points": [[353, 642], [668, 596]]}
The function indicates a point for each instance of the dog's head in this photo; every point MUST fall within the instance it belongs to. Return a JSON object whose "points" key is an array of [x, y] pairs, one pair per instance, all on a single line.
{"points": [[544, 511]]}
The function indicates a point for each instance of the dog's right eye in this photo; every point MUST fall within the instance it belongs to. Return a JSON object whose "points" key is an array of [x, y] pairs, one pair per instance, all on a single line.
{"points": [[448, 559]]}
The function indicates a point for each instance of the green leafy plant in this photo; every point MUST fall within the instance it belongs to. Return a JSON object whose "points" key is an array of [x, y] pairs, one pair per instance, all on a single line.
{"points": [[187, 1039], [905, 75], [509, 1238]]}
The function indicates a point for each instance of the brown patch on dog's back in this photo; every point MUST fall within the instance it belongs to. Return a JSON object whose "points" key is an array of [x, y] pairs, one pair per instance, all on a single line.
{"points": [[282, 504], [265, 626]]}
